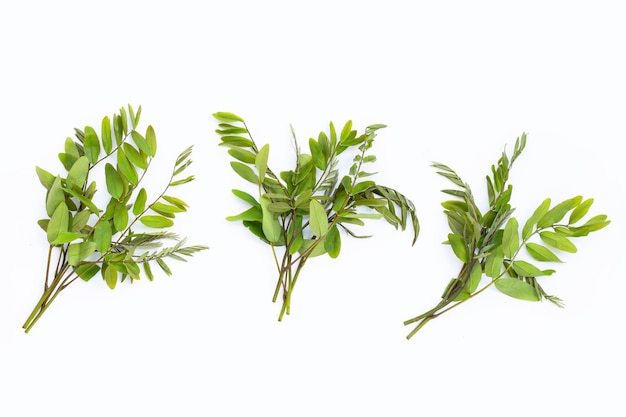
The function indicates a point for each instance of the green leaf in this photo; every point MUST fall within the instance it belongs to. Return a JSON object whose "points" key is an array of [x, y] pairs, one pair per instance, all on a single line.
{"points": [[332, 242], [580, 211], [78, 252], [245, 172], [559, 211], [295, 238], [246, 197], [87, 271], [91, 144], [176, 201], [493, 263], [164, 266], [148, 271], [67, 160], [525, 269], [139, 159], [279, 207], [102, 236], [510, 238], [55, 196], [362, 186], [115, 185], [242, 155], [84, 200], [110, 276], [318, 250], [156, 222], [71, 149], [558, 241], [458, 247], [66, 237], [532, 220], [318, 219], [126, 168], [475, 276], [541, 253], [120, 217], [59, 223], [77, 175], [516, 288], [80, 220], [45, 178], [151, 141], [140, 202], [252, 214], [166, 208], [227, 117], [271, 226], [261, 161], [107, 142], [237, 141]]}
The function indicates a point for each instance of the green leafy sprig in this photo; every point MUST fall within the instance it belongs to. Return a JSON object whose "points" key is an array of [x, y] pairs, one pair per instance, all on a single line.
{"points": [[91, 240], [491, 243], [303, 210]]}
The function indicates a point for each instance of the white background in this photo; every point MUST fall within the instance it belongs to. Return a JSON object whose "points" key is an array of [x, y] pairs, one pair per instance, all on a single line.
{"points": [[454, 81]]}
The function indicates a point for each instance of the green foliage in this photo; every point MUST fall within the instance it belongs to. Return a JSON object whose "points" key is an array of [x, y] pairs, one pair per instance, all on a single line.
{"points": [[107, 238], [491, 243], [302, 210]]}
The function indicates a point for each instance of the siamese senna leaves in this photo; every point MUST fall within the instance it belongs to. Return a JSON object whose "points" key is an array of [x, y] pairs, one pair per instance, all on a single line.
{"points": [[494, 240], [87, 240], [299, 211]]}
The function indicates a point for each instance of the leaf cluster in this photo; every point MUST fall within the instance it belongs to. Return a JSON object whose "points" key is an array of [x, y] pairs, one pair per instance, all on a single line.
{"points": [[303, 210], [93, 239], [492, 243]]}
